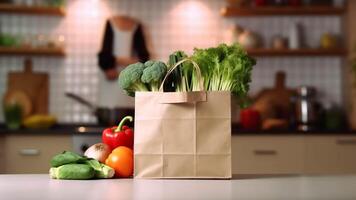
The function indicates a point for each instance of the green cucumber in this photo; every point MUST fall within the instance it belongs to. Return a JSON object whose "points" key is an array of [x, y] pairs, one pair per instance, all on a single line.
{"points": [[72, 172]]}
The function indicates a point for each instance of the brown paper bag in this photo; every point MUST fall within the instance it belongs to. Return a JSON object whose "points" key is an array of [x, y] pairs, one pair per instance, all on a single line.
{"points": [[182, 134]]}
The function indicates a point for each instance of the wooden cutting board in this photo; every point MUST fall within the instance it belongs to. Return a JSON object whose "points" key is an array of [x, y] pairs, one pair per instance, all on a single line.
{"points": [[33, 84], [275, 102]]}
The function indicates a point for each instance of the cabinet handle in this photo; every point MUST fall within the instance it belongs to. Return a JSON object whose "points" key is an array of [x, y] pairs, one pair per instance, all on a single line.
{"points": [[346, 141], [265, 152], [29, 152]]}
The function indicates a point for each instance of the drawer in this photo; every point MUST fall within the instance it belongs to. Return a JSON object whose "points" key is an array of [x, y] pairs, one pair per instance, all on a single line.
{"points": [[334, 154], [31, 154], [267, 155]]}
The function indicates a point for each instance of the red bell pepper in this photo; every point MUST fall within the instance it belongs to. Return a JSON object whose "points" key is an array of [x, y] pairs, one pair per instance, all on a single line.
{"points": [[260, 2], [250, 119], [119, 135]]}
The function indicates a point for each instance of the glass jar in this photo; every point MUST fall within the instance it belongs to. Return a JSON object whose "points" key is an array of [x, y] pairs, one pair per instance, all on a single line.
{"points": [[13, 115]]}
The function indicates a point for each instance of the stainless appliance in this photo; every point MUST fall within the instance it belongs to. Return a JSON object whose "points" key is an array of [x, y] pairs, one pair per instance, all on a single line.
{"points": [[306, 108]]}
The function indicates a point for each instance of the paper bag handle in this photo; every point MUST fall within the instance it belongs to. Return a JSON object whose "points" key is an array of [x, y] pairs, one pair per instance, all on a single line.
{"points": [[196, 67], [182, 97]]}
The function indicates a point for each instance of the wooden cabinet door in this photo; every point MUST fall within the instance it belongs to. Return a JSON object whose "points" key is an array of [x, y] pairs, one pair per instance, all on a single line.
{"points": [[2, 154], [267, 154], [346, 151], [32, 153], [330, 154]]}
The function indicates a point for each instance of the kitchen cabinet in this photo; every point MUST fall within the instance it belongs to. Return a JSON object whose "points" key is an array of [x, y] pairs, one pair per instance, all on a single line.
{"points": [[2, 153], [24, 153], [297, 154], [330, 154], [252, 153], [267, 154]]}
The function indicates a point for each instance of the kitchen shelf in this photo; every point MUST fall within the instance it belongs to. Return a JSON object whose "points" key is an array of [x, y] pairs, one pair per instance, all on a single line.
{"points": [[297, 52], [282, 10], [34, 10], [32, 51]]}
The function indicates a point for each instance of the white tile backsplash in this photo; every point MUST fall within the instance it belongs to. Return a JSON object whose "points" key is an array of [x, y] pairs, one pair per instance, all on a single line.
{"points": [[169, 25]]}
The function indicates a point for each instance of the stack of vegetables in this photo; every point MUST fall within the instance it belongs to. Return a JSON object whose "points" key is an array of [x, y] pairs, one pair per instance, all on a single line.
{"points": [[113, 157], [223, 68], [69, 165]]}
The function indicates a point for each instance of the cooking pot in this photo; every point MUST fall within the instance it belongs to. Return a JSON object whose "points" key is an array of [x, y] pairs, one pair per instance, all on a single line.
{"points": [[105, 116]]}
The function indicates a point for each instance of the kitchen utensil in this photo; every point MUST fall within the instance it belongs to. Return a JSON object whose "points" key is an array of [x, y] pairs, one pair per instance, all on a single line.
{"points": [[294, 36], [266, 107], [34, 85], [275, 102], [235, 33], [105, 116], [279, 42], [232, 34], [248, 39], [305, 108]]}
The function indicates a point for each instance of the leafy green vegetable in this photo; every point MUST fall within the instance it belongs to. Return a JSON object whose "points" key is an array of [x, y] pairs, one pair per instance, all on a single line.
{"points": [[153, 74], [180, 77], [130, 79], [101, 170], [65, 158], [224, 68], [149, 63], [72, 172]]}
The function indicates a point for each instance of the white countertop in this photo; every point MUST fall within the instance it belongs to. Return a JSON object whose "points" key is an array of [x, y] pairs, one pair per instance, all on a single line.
{"points": [[40, 187]]}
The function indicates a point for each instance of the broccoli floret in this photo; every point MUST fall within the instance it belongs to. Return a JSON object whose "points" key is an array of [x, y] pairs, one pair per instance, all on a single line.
{"points": [[130, 79], [149, 63], [153, 74]]}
